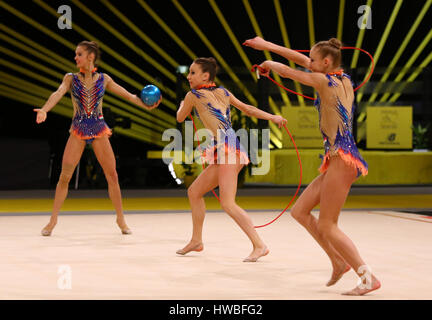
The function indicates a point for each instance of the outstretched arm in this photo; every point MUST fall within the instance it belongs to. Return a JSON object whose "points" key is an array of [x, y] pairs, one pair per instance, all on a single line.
{"points": [[113, 87], [294, 56], [312, 79], [252, 111], [53, 99], [185, 107]]}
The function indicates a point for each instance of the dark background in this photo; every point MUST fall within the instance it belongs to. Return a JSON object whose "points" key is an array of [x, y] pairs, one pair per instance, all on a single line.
{"points": [[31, 154]]}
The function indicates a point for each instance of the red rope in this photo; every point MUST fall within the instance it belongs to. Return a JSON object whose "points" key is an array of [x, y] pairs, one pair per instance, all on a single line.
{"points": [[311, 98], [292, 139], [298, 187]]}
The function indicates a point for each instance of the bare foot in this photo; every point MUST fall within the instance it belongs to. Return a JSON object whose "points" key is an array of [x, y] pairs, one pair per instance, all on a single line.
{"points": [[256, 254], [363, 289], [191, 246], [123, 226], [339, 269], [47, 230]]}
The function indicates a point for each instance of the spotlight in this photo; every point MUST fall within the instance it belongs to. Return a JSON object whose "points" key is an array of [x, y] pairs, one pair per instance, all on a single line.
{"points": [[182, 69]]}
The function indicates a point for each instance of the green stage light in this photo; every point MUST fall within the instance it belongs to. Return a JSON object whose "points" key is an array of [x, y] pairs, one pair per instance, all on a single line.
{"points": [[43, 54], [72, 47], [30, 62], [18, 93], [359, 40], [267, 54], [54, 66], [141, 34], [54, 84], [246, 61], [288, 45], [414, 75], [410, 62], [127, 42], [401, 50], [275, 139], [67, 112], [221, 60], [232, 37], [35, 90], [276, 134], [217, 55], [311, 23], [12, 93], [340, 19], [382, 42], [167, 29], [118, 56]]}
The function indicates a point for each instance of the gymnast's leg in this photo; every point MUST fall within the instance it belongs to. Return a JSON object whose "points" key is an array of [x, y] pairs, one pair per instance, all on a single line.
{"points": [[105, 155], [72, 154], [227, 190], [205, 182], [334, 191], [301, 211]]}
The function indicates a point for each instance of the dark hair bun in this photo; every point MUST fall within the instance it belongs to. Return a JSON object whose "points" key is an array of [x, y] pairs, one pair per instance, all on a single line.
{"points": [[214, 62], [335, 43], [95, 44]]}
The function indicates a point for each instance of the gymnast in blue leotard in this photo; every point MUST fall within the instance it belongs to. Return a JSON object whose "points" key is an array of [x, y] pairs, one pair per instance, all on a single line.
{"points": [[342, 163], [336, 119], [225, 155], [88, 121], [88, 126]]}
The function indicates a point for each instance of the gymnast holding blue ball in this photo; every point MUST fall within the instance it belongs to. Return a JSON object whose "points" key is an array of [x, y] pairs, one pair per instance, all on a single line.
{"points": [[87, 88], [151, 95]]}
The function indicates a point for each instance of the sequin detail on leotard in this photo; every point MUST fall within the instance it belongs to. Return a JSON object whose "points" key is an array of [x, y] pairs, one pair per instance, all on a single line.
{"points": [[88, 122], [343, 143], [213, 109]]}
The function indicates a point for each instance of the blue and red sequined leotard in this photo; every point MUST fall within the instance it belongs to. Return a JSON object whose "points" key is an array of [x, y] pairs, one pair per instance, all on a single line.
{"points": [[88, 122], [212, 107], [336, 124]]}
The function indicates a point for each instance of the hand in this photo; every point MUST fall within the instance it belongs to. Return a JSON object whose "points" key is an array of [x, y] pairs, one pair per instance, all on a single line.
{"points": [[257, 43], [155, 105], [41, 115], [280, 121], [264, 69]]}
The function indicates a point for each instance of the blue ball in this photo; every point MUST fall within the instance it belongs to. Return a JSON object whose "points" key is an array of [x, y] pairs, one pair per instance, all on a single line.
{"points": [[150, 94]]}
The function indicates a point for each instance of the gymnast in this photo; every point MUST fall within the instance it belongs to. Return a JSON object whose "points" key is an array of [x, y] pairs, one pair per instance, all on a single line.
{"points": [[225, 155], [88, 126], [342, 163]]}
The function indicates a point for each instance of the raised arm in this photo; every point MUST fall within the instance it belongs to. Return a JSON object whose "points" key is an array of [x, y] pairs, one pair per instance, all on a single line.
{"points": [[185, 107], [313, 79], [113, 87], [53, 99], [252, 111], [294, 56]]}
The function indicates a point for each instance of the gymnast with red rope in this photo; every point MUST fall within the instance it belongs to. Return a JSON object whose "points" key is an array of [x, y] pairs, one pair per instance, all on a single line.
{"points": [[225, 155], [342, 163]]}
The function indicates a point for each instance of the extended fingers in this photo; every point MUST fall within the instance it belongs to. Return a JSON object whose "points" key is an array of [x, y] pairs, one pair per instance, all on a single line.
{"points": [[254, 43], [248, 42]]}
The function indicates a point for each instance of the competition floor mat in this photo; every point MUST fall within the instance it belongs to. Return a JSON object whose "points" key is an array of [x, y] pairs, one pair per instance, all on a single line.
{"points": [[87, 257]]}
